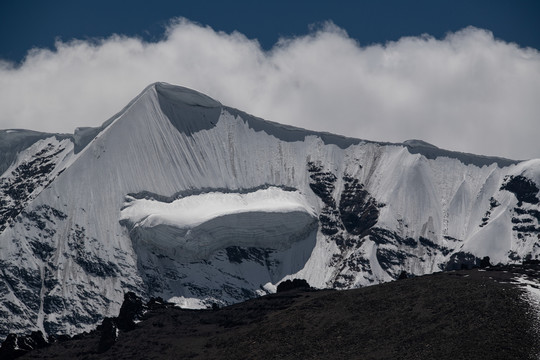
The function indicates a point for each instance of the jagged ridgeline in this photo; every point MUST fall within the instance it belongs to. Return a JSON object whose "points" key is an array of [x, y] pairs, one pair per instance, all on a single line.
{"points": [[180, 197]]}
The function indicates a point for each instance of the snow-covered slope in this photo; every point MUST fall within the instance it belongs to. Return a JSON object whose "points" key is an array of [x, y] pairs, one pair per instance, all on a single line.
{"points": [[181, 197]]}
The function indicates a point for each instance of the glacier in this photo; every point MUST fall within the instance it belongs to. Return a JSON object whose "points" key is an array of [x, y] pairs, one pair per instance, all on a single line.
{"points": [[182, 197], [195, 227]]}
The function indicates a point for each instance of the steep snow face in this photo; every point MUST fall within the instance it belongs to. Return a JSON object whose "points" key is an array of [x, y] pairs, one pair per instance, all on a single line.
{"points": [[15, 141], [32, 171], [181, 197]]}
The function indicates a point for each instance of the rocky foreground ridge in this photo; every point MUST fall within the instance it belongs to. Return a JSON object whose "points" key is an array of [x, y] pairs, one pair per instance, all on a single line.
{"points": [[479, 313]]}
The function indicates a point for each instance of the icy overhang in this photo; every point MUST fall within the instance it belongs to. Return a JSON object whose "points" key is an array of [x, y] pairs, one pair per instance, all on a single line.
{"points": [[194, 227], [188, 110]]}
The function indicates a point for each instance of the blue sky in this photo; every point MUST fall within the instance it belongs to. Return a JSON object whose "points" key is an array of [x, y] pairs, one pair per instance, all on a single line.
{"points": [[27, 24], [463, 75]]}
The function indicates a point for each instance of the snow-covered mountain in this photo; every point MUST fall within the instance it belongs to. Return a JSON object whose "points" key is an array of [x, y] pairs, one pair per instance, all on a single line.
{"points": [[182, 197]]}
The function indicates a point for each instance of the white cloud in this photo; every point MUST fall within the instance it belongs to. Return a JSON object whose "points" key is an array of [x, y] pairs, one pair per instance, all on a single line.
{"points": [[467, 92]]}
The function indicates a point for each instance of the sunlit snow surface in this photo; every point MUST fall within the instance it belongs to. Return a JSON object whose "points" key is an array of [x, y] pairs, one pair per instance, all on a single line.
{"points": [[532, 296], [194, 227], [191, 211]]}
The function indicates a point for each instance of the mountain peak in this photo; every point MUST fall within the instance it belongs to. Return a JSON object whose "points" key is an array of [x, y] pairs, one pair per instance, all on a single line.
{"points": [[188, 110], [184, 95], [180, 197]]}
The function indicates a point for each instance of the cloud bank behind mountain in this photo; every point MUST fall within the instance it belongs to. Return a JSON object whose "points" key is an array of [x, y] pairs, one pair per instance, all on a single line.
{"points": [[467, 92]]}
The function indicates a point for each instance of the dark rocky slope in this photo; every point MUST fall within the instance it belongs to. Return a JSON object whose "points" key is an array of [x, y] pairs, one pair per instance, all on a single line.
{"points": [[474, 314]]}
